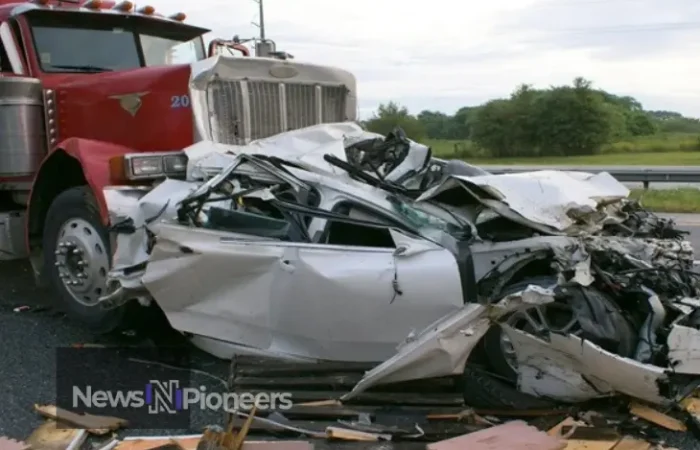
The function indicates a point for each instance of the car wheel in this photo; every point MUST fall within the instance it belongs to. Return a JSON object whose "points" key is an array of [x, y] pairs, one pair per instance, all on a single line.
{"points": [[496, 385], [77, 257], [482, 390], [498, 349]]}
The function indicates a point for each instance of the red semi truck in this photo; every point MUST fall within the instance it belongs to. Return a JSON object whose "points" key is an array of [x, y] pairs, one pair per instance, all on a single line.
{"points": [[96, 93]]}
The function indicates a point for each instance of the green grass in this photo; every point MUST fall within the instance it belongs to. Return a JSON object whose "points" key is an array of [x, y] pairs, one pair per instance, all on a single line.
{"points": [[671, 149], [660, 150], [681, 200], [620, 159]]}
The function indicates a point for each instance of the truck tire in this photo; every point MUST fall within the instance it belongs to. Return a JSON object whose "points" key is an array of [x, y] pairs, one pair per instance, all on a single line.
{"points": [[77, 257]]}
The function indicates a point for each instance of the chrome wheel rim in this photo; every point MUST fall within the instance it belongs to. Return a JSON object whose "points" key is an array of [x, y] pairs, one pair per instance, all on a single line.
{"points": [[537, 321], [82, 261]]}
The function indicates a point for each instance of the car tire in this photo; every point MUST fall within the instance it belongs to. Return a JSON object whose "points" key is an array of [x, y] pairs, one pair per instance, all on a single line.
{"points": [[492, 339], [482, 390], [77, 250]]}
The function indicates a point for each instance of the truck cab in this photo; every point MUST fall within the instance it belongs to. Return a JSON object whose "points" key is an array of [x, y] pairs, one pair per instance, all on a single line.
{"points": [[96, 93]]}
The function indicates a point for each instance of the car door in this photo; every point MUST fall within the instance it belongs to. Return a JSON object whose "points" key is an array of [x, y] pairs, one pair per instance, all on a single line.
{"points": [[336, 302], [357, 303]]}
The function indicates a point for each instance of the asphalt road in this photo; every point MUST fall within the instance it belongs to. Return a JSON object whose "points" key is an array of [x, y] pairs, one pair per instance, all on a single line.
{"points": [[29, 339]]}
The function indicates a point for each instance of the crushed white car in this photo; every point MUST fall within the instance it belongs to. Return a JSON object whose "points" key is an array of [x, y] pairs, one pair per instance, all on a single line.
{"points": [[331, 243]]}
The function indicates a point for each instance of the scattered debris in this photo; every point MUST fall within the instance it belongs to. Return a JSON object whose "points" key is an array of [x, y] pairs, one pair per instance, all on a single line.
{"points": [[656, 417], [516, 435], [453, 300], [50, 436], [556, 284], [78, 440], [11, 444], [355, 435], [88, 345], [27, 308], [99, 425]]}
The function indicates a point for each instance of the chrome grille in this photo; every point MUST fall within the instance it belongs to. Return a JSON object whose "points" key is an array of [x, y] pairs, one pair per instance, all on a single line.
{"points": [[333, 103], [226, 113], [301, 106], [242, 111], [265, 109]]}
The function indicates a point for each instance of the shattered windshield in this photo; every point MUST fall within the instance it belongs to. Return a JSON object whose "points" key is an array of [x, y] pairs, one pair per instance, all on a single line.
{"points": [[69, 43], [428, 224]]}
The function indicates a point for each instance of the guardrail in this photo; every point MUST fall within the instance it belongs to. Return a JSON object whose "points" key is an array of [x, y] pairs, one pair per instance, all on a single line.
{"points": [[629, 174]]}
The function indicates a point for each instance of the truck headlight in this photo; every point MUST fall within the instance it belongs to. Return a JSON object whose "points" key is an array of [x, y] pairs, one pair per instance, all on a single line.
{"points": [[140, 166]]}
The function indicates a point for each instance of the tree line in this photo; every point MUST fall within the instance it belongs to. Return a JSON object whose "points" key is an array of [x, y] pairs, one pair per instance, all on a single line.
{"points": [[574, 119]]}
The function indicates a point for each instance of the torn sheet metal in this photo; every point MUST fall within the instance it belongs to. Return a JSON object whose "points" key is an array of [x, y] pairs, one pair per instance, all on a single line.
{"points": [[568, 366], [264, 293], [240, 287], [684, 349], [548, 197], [139, 208], [131, 210], [443, 347], [306, 147]]}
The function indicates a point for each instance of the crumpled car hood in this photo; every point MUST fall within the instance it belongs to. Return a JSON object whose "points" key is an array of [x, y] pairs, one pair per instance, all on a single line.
{"points": [[554, 199], [552, 202], [242, 289]]}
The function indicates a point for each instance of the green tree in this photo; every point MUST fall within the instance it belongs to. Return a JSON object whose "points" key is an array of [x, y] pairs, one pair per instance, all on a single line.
{"points": [[437, 125], [492, 128], [640, 123], [390, 116], [507, 127], [572, 120], [679, 125]]}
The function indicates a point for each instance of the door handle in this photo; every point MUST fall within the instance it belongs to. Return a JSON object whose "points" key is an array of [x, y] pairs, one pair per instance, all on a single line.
{"points": [[286, 265]]}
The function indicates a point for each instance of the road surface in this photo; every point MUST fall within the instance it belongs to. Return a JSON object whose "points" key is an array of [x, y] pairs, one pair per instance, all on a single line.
{"points": [[29, 340]]}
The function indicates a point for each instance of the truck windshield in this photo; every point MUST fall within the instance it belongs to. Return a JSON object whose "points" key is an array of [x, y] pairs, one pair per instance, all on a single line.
{"points": [[112, 43]]}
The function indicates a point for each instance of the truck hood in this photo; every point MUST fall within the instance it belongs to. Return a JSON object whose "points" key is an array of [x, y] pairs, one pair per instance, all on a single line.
{"points": [[132, 108]]}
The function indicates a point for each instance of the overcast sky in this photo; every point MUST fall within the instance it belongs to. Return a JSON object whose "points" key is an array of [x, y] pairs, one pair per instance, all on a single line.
{"points": [[444, 54]]}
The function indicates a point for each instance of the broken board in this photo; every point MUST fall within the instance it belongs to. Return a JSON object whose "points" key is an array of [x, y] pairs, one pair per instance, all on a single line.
{"points": [[435, 405]]}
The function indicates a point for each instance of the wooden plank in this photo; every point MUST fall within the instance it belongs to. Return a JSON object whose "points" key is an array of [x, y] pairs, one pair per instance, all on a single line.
{"points": [[191, 444], [375, 398], [432, 430], [354, 435], [50, 436], [630, 443], [95, 424], [691, 404], [147, 444], [580, 444], [657, 417], [336, 381], [263, 367], [352, 412], [590, 433], [516, 435], [346, 380]]}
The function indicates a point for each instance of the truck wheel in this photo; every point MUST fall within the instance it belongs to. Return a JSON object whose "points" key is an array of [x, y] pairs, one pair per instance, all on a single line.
{"points": [[77, 256]]}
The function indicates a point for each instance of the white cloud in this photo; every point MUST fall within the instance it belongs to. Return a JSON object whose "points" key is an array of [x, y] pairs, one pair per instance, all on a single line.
{"points": [[445, 54]]}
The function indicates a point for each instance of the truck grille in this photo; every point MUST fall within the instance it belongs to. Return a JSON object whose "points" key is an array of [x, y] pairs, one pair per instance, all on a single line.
{"points": [[242, 111]]}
